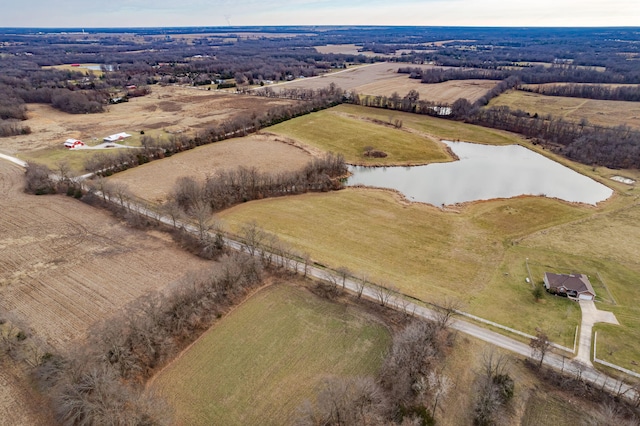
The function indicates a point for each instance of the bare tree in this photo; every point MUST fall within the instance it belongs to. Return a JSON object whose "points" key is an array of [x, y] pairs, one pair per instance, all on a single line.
{"points": [[343, 273], [539, 345], [383, 293], [172, 210], [446, 311], [253, 237], [361, 284]]}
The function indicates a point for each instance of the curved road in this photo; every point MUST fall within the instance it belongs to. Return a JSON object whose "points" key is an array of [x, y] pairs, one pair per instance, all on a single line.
{"points": [[576, 368]]}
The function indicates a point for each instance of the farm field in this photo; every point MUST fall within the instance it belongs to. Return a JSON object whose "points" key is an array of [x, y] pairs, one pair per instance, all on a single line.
{"points": [[155, 180], [443, 93], [382, 79], [65, 265], [601, 113], [437, 128], [264, 359], [169, 109], [423, 251], [332, 130]]}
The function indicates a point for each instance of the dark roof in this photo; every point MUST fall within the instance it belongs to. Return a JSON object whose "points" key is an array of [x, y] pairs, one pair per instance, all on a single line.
{"points": [[576, 282]]}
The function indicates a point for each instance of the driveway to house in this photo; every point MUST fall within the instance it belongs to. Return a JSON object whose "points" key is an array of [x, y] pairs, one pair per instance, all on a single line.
{"points": [[590, 316]]}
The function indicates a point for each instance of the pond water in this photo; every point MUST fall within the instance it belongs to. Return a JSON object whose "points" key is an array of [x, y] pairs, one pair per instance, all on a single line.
{"points": [[484, 172]]}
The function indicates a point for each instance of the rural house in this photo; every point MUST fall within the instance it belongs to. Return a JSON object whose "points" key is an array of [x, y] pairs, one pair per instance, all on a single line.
{"points": [[573, 286]]}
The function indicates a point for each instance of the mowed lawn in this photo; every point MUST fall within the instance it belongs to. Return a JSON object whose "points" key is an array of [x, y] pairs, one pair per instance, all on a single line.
{"points": [[330, 130], [262, 361], [471, 255]]}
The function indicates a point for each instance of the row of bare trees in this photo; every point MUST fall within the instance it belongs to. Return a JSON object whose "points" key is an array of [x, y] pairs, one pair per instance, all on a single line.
{"points": [[101, 382], [229, 187]]}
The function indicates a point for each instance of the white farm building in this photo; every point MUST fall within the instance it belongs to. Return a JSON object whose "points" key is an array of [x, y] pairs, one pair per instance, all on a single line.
{"points": [[73, 143], [117, 137]]}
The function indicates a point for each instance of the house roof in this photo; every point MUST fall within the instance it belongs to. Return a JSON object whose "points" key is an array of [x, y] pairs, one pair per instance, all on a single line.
{"points": [[576, 282]]}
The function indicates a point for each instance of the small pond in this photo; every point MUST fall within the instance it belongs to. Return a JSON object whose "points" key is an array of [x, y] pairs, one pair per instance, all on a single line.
{"points": [[484, 172]]}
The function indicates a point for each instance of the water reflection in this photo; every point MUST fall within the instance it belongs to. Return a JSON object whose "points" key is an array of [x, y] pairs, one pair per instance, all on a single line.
{"points": [[484, 172]]}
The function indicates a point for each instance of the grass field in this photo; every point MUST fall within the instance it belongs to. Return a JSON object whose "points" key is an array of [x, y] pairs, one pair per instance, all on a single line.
{"points": [[258, 364], [602, 113], [425, 252], [437, 128], [154, 181], [329, 130], [477, 253]]}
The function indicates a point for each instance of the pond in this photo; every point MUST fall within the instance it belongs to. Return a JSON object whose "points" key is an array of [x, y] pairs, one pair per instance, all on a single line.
{"points": [[484, 172]]}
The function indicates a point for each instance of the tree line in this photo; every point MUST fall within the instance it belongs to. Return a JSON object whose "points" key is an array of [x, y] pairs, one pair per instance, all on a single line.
{"points": [[231, 187], [105, 164], [529, 75], [588, 91]]}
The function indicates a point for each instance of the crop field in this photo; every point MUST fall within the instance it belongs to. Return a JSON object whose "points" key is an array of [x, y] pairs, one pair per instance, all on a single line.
{"points": [[602, 113], [382, 79], [65, 265], [263, 360], [443, 93], [331, 130], [166, 110], [155, 180]]}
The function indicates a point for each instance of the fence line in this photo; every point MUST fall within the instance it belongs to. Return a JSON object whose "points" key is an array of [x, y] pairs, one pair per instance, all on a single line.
{"points": [[518, 332], [608, 364]]}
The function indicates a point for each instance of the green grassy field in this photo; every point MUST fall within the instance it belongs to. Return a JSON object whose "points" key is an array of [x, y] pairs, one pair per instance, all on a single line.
{"points": [[330, 130], [427, 253], [437, 128], [258, 364]]}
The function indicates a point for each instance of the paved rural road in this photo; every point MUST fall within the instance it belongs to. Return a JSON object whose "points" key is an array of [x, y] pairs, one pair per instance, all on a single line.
{"points": [[556, 361]]}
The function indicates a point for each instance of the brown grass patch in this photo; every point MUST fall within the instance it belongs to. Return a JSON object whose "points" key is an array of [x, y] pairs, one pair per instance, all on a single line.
{"points": [[447, 92], [170, 108], [154, 181], [601, 113]]}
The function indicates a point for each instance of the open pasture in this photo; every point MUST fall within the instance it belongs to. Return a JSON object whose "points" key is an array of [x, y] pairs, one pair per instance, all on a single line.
{"points": [[425, 252], [166, 110], [155, 180], [601, 113], [330, 130], [65, 265], [261, 362], [437, 128]]}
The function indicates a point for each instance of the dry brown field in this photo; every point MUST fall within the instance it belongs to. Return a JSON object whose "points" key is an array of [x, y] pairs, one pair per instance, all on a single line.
{"points": [[154, 181], [382, 79], [447, 92], [601, 113], [166, 109], [65, 265]]}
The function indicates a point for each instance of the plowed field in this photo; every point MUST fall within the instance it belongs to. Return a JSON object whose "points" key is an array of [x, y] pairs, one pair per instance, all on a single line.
{"points": [[65, 265]]}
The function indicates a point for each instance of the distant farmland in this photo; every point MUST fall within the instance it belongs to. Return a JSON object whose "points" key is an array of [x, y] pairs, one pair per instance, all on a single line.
{"points": [[382, 79], [258, 364], [601, 113]]}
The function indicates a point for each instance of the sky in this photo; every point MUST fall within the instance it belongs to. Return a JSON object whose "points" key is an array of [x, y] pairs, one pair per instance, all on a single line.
{"points": [[170, 13]]}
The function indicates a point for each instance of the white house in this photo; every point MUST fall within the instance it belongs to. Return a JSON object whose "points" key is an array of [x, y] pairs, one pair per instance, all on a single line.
{"points": [[574, 286], [117, 137], [73, 143]]}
